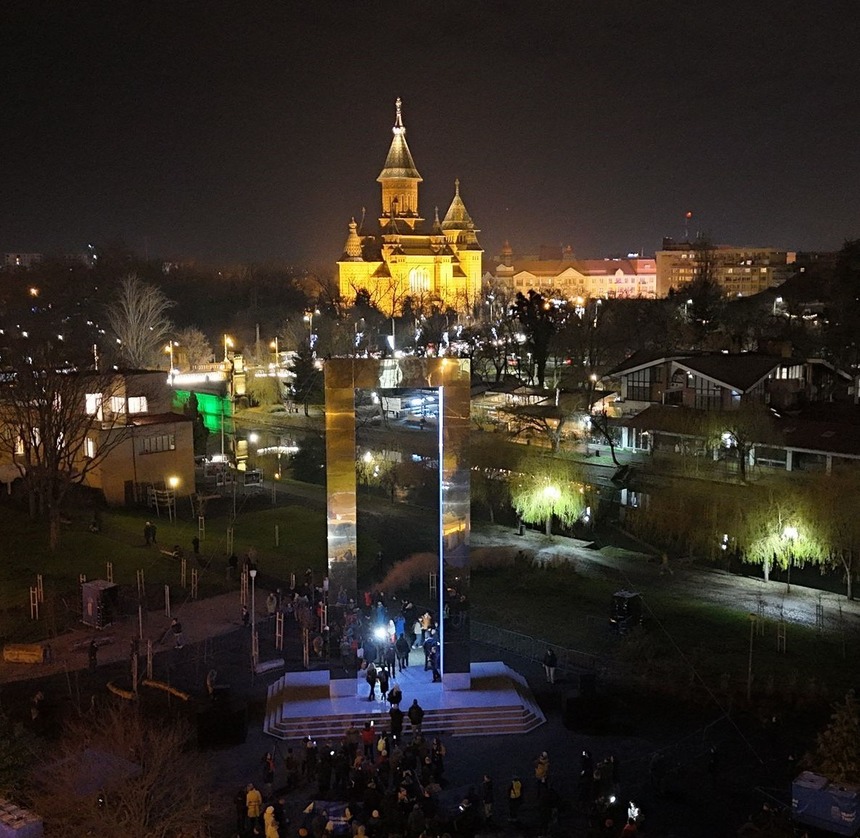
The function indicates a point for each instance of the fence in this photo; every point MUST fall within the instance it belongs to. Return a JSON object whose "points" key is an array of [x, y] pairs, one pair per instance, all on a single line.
{"points": [[533, 648]]}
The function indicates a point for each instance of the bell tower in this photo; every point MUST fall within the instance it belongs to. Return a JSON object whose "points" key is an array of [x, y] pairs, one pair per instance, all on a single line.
{"points": [[399, 180]]}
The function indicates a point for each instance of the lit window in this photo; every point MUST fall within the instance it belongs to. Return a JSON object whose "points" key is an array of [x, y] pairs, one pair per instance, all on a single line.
{"points": [[117, 404], [419, 280], [94, 404], [137, 404], [89, 447]]}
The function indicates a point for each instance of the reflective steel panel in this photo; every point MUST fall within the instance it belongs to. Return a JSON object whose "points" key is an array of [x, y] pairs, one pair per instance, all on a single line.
{"points": [[450, 377]]}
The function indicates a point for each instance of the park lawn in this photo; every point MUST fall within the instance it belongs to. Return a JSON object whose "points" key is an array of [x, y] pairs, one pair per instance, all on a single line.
{"points": [[687, 642]]}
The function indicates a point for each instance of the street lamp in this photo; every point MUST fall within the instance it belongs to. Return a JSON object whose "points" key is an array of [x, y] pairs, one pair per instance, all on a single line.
{"points": [[169, 351], [228, 342], [309, 319], [253, 574], [274, 347]]}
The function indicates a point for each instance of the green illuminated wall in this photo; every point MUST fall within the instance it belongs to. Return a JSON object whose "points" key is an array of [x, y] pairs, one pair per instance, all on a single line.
{"points": [[212, 409]]}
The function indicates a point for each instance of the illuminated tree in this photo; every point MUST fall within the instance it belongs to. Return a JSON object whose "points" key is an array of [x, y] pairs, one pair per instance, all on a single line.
{"points": [[194, 346], [776, 527], [543, 488], [138, 319], [834, 503]]}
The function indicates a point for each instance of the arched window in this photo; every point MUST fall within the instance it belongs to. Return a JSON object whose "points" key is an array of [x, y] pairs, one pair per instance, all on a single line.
{"points": [[419, 281]]}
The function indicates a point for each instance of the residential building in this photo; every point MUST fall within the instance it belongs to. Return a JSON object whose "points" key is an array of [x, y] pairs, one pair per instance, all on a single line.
{"points": [[632, 277], [668, 403], [738, 271], [402, 259], [128, 427]]}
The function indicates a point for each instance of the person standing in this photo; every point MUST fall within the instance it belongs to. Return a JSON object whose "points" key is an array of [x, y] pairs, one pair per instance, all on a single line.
{"points": [[487, 798], [515, 798], [396, 715], [268, 773], [434, 663], [542, 770], [195, 545], [176, 628], [370, 676], [147, 533], [253, 807], [401, 649], [383, 682], [550, 662], [416, 716]]}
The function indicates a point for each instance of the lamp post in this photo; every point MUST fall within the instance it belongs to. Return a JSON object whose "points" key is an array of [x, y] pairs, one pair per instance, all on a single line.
{"points": [[169, 351], [228, 342], [253, 575], [309, 319], [274, 347]]}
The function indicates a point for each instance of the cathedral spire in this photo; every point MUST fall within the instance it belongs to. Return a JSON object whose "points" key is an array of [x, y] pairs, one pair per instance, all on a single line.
{"points": [[457, 217], [399, 178], [399, 163]]}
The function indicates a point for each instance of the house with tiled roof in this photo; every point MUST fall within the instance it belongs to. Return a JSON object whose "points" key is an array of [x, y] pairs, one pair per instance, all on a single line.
{"points": [[674, 403]]}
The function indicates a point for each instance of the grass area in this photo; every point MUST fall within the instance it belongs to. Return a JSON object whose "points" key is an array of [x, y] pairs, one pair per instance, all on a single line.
{"points": [[25, 553], [555, 603], [682, 640]]}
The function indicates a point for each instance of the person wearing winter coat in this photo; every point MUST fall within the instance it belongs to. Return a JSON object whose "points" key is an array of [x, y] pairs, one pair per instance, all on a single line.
{"points": [[269, 823]]}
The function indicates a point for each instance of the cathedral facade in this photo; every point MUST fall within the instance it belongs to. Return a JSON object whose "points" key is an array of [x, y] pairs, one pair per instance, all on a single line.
{"points": [[401, 259]]}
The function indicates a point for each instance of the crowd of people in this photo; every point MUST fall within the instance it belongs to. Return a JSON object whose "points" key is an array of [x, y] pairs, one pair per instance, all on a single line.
{"points": [[379, 784], [386, 780]]}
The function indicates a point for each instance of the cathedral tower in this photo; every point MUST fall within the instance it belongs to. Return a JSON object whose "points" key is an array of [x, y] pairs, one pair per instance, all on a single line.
{"points": [[436, 268]]}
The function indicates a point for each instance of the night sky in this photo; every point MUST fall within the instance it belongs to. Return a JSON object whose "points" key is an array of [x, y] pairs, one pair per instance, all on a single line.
{"points": [[254, 130]]}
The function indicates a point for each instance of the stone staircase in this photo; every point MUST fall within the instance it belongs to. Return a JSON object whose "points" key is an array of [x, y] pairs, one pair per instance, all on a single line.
{"points": [[499, 702]]}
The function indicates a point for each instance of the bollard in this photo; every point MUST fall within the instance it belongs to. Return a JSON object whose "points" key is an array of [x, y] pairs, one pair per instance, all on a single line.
{"points": [[167, 601]]}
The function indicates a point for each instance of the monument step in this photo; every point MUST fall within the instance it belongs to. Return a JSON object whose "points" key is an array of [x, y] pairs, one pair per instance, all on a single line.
{"points": [[498, 702]]}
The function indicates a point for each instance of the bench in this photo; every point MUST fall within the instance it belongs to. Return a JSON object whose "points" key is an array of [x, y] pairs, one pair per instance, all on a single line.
{"points": [[27, 653]]}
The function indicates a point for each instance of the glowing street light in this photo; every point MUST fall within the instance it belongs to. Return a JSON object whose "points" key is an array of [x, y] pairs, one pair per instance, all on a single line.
{"points": [[309, 319], [228, 342], [173, 481], [168, 350], [551, 492], [274, 347]]}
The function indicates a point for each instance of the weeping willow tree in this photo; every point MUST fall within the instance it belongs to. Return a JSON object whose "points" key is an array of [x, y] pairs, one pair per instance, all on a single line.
{"points": [[778, 528], [544, 488]]}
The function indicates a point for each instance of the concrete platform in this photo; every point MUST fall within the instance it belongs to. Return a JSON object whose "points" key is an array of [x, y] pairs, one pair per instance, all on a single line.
{"points": [[498, 702]]}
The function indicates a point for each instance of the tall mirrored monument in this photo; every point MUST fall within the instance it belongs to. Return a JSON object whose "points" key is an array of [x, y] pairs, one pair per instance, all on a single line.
{"points": [[449, 379]]}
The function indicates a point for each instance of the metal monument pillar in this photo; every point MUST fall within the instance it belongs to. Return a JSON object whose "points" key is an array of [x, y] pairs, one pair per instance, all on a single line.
{"points": [[450, 378]]}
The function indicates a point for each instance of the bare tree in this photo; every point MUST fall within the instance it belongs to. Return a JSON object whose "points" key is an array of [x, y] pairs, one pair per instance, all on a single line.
{"points": [[123, 774], [138, 319], [56, 429], [194, 346]]}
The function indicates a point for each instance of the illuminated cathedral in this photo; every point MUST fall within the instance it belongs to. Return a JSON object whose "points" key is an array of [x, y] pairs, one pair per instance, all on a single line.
{"points": [[401, 260]]}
